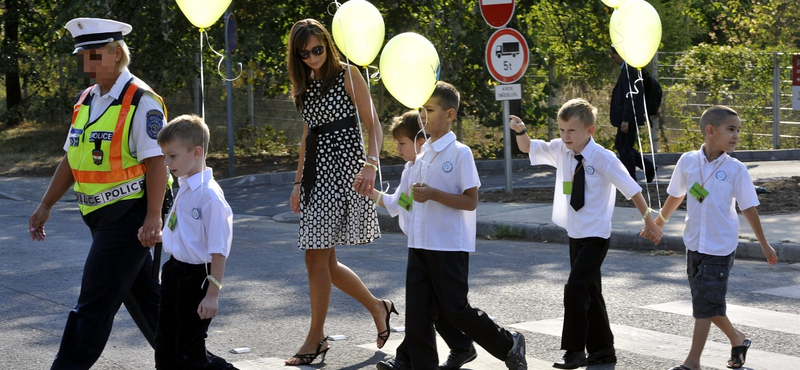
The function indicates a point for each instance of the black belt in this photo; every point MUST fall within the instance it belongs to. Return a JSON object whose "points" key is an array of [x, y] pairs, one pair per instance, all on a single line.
{"points": [[310, 165]]}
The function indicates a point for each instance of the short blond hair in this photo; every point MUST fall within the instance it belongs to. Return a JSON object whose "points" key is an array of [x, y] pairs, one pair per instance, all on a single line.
{"points": [[189, 129], [581, 108]]}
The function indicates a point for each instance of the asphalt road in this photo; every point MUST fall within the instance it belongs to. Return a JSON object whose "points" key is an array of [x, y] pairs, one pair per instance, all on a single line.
{"points": [[264, 305]]}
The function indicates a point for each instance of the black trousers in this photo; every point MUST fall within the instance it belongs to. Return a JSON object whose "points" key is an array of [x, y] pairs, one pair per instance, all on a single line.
{"points": [[117, 270], [585, 317], [436, 286], [628, 155], [181, 337]]}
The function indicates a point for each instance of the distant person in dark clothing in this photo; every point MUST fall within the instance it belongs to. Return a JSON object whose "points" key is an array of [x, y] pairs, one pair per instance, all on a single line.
{"points": [[626, 111]]}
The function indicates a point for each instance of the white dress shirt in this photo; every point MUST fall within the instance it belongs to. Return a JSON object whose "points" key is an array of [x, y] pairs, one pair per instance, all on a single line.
{"points": [[712, 227], [604, 174], [141, 144], [390, 201], [448, 166], [204, 221]]}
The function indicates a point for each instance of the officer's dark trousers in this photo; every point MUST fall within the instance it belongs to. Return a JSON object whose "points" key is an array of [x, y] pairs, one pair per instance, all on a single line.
{"points": [[181, 338], [585, 317], [118, 269], [436, 284]]}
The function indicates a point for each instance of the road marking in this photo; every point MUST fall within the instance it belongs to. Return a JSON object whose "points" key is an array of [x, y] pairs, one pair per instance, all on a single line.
{"points": [[741, 315], [786, 291], [268, 363], [485, 361], [669, 346]]}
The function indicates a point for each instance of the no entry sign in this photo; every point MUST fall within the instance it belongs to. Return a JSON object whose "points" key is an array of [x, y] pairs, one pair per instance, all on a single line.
{"points": [[507, 55], [497, 13]]}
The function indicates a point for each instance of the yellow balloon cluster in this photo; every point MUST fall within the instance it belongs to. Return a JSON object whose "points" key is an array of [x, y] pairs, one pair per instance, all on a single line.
{"points": [[635, 30], [358, 31], [203, 13], [410, 68]]}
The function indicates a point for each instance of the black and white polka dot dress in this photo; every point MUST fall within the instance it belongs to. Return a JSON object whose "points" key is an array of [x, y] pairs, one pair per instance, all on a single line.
{"points": [[334, 214]]}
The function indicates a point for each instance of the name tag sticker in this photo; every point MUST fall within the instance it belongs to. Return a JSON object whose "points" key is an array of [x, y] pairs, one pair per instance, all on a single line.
{"points": [[698, 192], [406, 201], [173, 219], [567, 187]]}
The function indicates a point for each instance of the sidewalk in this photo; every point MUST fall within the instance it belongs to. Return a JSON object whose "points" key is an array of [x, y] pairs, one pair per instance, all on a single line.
{"points": [[532, 221]]}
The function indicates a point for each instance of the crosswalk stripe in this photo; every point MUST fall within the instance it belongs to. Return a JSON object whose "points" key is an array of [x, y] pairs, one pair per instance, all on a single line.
{"points": [[786, 291], [741, 315], [669, 346], [267, 363], [484, 361]]}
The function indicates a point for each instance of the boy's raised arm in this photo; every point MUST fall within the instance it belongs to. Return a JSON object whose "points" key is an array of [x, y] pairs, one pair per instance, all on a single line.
{"points": [[751, 215]]}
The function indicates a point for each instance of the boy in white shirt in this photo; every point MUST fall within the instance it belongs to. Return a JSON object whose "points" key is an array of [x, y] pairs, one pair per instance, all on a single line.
{"points": [[587, 177], [714, 180], [198, 235], [408, 135], [441, 194]]}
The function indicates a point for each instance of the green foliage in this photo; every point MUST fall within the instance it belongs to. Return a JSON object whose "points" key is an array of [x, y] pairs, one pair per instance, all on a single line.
{"points": [[735, 76], [261, 140], [508, 232]]}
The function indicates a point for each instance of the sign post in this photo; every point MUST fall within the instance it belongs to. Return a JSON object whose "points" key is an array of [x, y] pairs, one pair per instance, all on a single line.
{"points": [[507, 60], [796, 82]]}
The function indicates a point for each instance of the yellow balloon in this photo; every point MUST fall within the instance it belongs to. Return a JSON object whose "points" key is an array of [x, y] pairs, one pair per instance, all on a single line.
{"points": [[613, 3], [358, 31], [409, 68], [635, 30], [203, 13]]}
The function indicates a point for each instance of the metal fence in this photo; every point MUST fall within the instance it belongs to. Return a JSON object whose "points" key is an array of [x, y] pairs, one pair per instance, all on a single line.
{"points": [[776, 126]]}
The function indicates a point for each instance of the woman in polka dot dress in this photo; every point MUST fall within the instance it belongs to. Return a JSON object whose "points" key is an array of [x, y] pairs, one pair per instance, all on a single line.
{"points": [[331, 211]]}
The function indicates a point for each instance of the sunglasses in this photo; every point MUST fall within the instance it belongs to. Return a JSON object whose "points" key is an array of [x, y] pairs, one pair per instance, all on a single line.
{"points": [[316, 50]]}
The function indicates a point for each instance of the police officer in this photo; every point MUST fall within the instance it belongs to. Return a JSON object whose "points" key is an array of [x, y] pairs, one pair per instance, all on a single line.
{"points": [[119, 179]]}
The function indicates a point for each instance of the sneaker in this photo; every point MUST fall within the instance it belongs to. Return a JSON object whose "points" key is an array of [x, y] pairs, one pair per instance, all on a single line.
{"points": [[516, 356], [392, 364], [457, 359]]}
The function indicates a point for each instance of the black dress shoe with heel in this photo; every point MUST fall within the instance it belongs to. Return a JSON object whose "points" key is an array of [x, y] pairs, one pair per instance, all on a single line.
{"points": [[603, 356]]}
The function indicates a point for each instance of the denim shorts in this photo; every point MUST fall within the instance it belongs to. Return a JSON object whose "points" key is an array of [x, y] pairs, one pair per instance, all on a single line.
{"points": [[708, 278]]}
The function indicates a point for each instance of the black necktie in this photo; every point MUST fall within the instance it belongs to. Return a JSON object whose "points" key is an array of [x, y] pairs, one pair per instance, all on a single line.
{"points": [[578, 185]]}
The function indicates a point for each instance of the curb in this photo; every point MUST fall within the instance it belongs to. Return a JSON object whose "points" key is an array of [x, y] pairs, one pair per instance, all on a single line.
{"points": [[517, 163]]}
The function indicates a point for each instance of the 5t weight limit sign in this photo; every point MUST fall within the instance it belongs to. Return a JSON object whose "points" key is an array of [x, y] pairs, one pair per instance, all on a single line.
{"points": [[507, 55]]}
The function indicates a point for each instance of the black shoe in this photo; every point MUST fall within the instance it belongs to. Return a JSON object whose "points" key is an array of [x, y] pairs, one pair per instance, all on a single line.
{"points": [[392, 364], [571, 360], [650, 172], [516, 356], [603, 356], [457, 359]]}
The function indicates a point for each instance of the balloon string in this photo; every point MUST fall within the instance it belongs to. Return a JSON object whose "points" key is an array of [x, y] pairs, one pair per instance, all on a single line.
{"points": [[376, 124], [219, 64], [202, 83], [632, 91]]}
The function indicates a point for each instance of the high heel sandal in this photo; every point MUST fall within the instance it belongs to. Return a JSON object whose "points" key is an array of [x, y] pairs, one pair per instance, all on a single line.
{"points": [[384, 335], [308, 358]]}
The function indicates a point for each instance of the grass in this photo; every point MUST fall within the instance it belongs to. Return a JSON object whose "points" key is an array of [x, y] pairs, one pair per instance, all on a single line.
{"points": [[31, 146]]}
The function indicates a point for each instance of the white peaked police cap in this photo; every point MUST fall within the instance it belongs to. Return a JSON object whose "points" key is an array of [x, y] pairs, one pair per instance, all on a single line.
{"points": [[92, 33]]}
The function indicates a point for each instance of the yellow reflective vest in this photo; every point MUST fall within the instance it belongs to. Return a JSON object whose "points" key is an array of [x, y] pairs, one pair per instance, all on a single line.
{"points": [[105, 172]]}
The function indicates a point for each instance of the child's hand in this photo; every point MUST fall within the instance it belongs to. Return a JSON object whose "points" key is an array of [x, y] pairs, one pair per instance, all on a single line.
{"points": [[141, 237], [515, 123], [651, 231], [208, 307], [769, 252], [423, 193]]}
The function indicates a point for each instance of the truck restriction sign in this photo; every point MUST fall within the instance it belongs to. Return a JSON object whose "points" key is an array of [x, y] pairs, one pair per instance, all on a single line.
{"points": [[507, 55]]}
